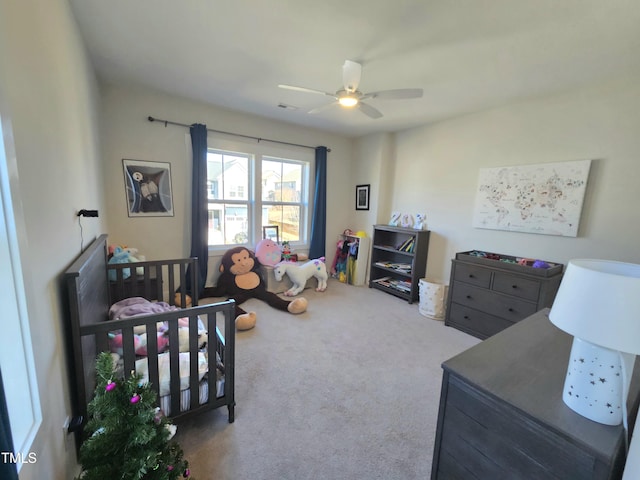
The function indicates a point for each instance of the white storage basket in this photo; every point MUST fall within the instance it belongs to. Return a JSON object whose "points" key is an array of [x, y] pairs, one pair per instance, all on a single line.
{"points": [[433, 297]]}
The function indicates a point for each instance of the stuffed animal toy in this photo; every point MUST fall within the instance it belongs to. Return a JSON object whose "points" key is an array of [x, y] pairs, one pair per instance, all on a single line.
{"points": [[161, 327], [299, 274], [115, 343], [287, 254], [124, 255], [183, 338], [240, 280], [139, 343], [163, 343], [268, 252]]}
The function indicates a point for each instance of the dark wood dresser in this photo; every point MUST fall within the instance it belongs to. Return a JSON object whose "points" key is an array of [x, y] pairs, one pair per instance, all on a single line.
{"points": [[487, 296], [502, 416]]}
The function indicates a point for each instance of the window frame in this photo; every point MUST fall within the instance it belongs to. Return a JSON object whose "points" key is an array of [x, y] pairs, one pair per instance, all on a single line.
{"points": [[256, 153], [16, 348], [305, 179]]}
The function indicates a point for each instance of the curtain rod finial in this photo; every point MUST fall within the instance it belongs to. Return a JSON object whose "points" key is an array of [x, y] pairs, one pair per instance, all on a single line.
{"points": [[150, 118]]}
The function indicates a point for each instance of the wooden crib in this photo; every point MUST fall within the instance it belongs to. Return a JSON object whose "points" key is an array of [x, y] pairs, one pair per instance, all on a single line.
{"points": [[175, 373]]}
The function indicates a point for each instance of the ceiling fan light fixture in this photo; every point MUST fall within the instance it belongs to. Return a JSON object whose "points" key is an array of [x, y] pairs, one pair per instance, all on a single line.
{"points": [[349, 96], [348, 101]]}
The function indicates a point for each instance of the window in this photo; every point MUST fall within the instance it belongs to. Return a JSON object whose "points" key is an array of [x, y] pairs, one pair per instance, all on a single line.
{"points": [[228, 175], [254, 186], [282, 195]]}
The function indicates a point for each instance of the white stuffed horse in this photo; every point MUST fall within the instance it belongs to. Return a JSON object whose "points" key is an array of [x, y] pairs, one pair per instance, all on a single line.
{"points": [[299, 274]]}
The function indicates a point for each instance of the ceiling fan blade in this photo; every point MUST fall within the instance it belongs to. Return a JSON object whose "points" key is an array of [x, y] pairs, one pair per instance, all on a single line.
{"points": [[351, 74], [322, 108], [369, 111], [307, 90], [398, 94]]}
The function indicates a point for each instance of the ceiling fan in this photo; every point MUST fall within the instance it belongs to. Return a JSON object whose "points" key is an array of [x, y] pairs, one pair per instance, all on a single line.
{"points": [[349, 96]]}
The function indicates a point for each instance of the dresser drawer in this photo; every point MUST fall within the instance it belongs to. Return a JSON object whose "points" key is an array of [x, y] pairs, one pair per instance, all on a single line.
{"points": [[494, 303], [481, 324], [517, 286], [503, 444], [474, 275]]}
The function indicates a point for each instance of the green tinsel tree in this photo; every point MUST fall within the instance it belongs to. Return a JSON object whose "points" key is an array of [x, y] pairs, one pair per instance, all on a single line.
{"points": [[127, 436]]}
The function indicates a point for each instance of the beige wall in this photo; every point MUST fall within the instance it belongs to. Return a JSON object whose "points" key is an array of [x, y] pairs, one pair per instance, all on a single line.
{"points": [[51, 96], [51, 101], [374, 156], [436, 172], [128, 134]]}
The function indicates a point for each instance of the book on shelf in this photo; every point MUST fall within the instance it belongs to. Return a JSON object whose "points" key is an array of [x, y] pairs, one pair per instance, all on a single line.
{"points": [[404, 267], [407, 245], [401, 267], [400, 285], [383, 281]]}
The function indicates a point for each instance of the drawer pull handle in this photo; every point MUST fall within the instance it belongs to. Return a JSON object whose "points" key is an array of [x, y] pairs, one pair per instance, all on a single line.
{"points": [[469, 296], [471, 275], [466, 317], [511, 309], [514, 286]]}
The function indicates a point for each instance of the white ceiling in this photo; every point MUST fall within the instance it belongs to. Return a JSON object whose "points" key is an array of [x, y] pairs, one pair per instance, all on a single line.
{"points": [[467, 55]]}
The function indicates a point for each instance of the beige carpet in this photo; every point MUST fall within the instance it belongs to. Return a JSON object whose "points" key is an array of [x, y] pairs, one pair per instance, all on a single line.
{"points": [[347, 390]]}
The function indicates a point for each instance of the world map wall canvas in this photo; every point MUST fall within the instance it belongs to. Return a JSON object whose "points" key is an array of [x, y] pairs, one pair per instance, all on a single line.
{"points": [[544, 198]]}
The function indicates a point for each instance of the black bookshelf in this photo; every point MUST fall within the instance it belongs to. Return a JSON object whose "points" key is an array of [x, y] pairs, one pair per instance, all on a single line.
{"points": [[398, 260]]}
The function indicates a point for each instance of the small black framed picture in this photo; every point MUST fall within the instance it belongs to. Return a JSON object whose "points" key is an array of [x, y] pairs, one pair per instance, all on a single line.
{"points": [[362, 197], [271, 232]]}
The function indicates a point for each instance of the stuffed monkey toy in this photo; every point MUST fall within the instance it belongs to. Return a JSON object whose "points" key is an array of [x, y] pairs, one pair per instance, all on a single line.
{"points": [[240, 280]]}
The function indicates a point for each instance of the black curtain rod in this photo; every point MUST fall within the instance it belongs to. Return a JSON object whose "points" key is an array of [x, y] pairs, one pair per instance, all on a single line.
{"points": [[168, 122]]}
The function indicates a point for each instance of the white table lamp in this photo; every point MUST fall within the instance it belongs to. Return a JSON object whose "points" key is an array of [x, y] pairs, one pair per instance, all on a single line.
{"points": [[598, 302]]}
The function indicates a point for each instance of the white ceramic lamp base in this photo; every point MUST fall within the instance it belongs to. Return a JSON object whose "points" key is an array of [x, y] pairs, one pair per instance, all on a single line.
{"points": [[596, 383]]}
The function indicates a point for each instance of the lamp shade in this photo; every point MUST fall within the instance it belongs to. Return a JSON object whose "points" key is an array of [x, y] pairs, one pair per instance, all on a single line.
{"points": [[599, 301]]}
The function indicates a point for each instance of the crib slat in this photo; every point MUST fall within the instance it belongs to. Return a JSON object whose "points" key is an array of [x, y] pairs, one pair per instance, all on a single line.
{"points": [[213, 347], [194, 363], [159, 281], [128, 350], [174, 366], [152, 358]]}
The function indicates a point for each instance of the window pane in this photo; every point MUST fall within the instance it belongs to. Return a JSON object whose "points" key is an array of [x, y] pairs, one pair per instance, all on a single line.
{"points": [[227, 176], [281, 181], [228, 224], [291, 182], [271, 177], [236, 177], [214, 176], [286, 217]]}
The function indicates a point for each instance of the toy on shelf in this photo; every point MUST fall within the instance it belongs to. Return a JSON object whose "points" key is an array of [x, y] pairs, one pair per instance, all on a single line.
{"points": [[287, 255], [299, 274], [524, 262], [268, 252]]}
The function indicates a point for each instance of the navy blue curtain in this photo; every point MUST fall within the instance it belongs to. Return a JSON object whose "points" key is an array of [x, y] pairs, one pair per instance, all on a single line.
{"points": [[199, 214], [319, 221], [7, 469]]}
